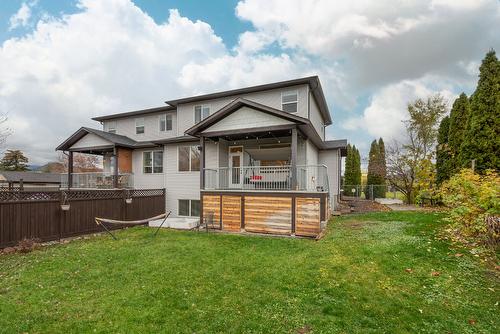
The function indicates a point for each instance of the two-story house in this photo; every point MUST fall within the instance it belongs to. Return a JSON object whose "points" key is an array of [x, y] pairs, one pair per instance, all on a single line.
{"points": [[253, 158]]}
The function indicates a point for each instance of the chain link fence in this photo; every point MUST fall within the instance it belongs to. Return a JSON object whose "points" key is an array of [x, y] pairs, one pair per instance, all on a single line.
{"points": [[370, 191]]}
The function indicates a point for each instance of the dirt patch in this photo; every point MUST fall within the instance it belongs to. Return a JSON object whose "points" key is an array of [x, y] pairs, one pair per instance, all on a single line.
{"points": [[358, 205]]}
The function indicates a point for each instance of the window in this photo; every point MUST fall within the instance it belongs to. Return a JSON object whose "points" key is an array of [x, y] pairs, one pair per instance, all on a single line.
{"points": [[289, 101], [189, 207], [112, 127], [166, 122], [200, 113], [139, 125], [152, 162], [189, 159]]}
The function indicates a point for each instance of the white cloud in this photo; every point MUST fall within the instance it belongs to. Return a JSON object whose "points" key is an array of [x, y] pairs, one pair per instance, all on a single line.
{"points": [[21, 17], [387, 109]]}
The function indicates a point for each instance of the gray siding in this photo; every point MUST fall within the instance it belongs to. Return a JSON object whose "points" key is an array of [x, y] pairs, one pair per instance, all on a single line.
{"points": [[90, 140], [126, 127], [247, 118], [180, 185], [311, 154], [331, 159], [316, 118], [146, 181]]}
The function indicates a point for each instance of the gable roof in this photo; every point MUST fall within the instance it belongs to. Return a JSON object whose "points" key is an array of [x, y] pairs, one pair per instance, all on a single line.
{"points": [[113, 138], [237, 104], [30, 177], [135, 113], [313, 82]]}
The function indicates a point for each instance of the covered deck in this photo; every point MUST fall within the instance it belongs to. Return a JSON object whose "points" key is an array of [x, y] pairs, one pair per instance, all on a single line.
{"points": [[116, 152], [262, 182]]}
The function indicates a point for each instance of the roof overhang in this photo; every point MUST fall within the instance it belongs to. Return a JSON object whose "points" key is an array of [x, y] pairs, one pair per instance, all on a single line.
{"points": [[312, 81], [135, 113]]}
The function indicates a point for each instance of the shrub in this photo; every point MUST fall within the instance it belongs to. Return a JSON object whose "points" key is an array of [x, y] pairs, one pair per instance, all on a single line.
{"points": [[474, 204]]}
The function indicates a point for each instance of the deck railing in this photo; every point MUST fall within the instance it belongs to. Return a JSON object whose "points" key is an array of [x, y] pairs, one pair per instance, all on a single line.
{"points": [[98, 180], [269, 178]]}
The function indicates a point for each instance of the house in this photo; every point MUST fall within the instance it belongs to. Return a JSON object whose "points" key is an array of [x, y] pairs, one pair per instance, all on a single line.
{"points": [[254, 158], [29, 180]]}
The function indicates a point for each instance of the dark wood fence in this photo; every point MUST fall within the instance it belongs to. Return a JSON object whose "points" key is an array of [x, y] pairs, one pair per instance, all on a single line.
{"points": [[39, 214]]}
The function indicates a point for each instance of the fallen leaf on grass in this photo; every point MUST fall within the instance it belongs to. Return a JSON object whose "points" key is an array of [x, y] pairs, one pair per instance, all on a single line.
{"points": [[435, 273], [459, 255], [472, 321], [409, 270]]}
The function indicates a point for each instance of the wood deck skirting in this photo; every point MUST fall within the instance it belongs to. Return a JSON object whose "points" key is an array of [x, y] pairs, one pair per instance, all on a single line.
{"points": [[285, 212]]}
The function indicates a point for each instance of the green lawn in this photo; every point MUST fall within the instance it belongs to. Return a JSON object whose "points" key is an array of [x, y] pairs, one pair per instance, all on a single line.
{"points": [[352, 281]]}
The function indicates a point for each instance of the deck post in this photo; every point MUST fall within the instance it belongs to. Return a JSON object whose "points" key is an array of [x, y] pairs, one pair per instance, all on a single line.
{"points": [[293, 159], [70, 169], [202, 162], [115, 171]]}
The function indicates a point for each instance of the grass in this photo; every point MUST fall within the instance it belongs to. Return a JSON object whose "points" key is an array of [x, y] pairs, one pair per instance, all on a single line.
{"points": [[352, 281]]}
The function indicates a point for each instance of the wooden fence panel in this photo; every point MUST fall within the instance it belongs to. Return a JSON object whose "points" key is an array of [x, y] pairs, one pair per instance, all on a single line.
{"points": [[39, 215], [307, 216], [268, 214], [231, 213], [211, 205]]}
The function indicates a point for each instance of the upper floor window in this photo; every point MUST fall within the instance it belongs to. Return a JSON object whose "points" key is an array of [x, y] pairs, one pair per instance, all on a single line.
{"points": [[152, 162], [189, 159], [201, 112], [289, 101], [166, 122], [112, 127], [139, 125]]}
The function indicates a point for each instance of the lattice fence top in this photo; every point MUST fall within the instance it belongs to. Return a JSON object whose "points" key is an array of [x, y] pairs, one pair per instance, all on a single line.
{"points": [[69, 195]]}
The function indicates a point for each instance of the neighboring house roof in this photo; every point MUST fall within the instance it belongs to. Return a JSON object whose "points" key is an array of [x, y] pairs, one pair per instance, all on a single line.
{"points": [[237, 104], [29, 177], [135, 113], [112, 138], [313, 82]]}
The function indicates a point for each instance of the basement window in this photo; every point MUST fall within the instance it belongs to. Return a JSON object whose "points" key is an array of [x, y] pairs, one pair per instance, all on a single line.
{"points": [[189, 207], [289, 101]]}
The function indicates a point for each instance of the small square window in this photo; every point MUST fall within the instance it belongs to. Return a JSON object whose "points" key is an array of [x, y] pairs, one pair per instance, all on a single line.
{"points": [[112, 127], [139, 125], [152, 162], [289, 101], [200, 113]]}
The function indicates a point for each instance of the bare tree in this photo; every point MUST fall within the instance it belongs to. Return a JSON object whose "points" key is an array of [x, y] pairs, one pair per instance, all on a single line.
{"points": [[406, 159], [81, 162]]}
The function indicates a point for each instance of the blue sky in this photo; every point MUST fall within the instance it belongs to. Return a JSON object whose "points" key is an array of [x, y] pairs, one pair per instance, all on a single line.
{"points": [[66, 61]]}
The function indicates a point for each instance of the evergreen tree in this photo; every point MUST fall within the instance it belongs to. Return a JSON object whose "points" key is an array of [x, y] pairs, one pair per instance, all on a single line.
{"points": [[443, 154], [14, 160], [357, 167], [349, 167], [383, 162], [375, 181], [482, 142], [459, 117]]}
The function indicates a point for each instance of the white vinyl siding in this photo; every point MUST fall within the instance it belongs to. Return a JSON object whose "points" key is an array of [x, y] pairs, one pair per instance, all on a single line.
{"points": [[316, 118]]}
